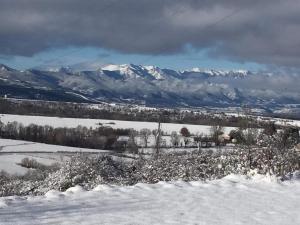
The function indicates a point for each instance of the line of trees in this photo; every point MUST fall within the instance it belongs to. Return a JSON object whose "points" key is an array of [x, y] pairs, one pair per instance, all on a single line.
{"points": [[100, 138], [77, 110]]}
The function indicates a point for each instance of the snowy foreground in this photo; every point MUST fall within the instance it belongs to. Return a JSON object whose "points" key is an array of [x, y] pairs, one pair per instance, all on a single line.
{"points": [[231, 200]]}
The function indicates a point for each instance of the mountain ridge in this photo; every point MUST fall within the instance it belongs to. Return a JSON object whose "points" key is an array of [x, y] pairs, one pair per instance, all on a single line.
{"points": [[155, 86], [155, 71]]}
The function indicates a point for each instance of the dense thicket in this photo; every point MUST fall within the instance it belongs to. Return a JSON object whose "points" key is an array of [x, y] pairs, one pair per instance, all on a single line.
{"points": [[89, 172]]}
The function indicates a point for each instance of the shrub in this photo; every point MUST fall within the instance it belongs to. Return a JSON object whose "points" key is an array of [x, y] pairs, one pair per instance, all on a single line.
{"points": [[206, 165], [85, 171]]}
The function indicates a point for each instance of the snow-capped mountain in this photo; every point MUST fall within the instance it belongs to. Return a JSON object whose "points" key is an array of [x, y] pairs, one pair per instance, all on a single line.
{"points": [[5, 68], [127, 71], [235, 73], [130, 71], [156, 72], [152, 85]]}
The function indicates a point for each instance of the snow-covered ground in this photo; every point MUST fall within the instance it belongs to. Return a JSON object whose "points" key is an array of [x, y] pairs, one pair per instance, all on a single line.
{"points": [[13, 151], [276, 120], [280, 121], [8, 162], [231, 200], [74, 122], [15, 146]]}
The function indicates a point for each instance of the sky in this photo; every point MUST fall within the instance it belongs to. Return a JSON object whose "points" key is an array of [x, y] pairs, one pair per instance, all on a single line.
{"points": [[220, 34]]}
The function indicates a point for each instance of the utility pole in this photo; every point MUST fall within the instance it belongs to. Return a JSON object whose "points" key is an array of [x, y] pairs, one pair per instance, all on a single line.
{"points": [[158, 137], [247, 112]]}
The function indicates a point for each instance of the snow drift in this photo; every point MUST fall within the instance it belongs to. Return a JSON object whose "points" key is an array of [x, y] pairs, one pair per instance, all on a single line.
{"points": [[231, 200]]}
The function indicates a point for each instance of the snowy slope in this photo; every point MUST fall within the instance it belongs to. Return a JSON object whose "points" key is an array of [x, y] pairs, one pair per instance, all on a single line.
{"points": [[231, 200], [130, 71]]}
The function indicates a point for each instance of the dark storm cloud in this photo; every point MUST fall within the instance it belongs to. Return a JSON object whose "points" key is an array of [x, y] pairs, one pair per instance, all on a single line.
{"points": [[261, 31]]}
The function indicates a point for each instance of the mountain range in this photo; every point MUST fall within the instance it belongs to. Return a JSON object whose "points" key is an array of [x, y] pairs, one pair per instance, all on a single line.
{"points": [[153, 86]]}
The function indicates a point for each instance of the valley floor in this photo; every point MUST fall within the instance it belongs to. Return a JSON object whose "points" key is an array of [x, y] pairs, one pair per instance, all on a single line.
{"points": [[95, 123], [231, 200]]}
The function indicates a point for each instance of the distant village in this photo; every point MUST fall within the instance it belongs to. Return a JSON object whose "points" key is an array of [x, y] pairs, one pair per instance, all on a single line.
{"points": [[182, 139]]}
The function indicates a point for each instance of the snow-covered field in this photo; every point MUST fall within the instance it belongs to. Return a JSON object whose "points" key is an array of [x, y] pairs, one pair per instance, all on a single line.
{"points": [[13, 151], [74, 122], [8, 162], [16, 146], [283, 122], [231, 200], [276, 120]]}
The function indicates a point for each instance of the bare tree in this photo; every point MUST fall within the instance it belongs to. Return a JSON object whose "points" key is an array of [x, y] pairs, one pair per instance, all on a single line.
{"points": [[185, 133], [215, 132], [1, 127], [145, 134], [174, 139], [250, 136], [132, 136], [132, 145], [157, 134], [198, 139]]}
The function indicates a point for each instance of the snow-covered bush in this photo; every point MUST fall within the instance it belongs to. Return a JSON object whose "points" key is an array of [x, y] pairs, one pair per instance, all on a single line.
{"points": [[14, 185], [188, 167], [87, 172], [24, 184], [33, 164]]}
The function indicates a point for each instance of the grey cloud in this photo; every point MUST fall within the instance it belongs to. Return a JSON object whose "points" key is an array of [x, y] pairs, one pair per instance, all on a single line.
{"points": [[103, 55], [260, 31]]}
